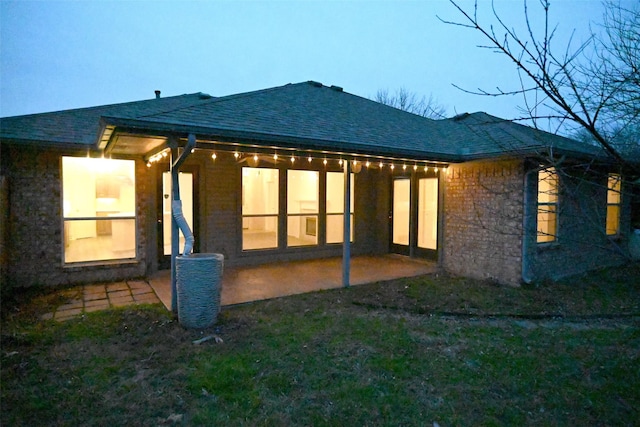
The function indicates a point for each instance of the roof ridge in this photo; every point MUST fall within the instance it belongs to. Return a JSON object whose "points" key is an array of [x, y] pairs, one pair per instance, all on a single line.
{"points": [[220, 99]]}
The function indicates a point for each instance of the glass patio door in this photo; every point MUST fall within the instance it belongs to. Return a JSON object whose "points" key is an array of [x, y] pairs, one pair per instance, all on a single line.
{"points": [[414, 216], [401, 216]]}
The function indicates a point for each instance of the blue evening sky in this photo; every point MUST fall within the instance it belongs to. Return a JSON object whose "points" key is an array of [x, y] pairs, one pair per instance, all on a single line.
{"points": [[58, 55]]}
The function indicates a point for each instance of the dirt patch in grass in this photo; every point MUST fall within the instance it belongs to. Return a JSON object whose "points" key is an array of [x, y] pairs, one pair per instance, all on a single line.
{"points": [[405, 352]]}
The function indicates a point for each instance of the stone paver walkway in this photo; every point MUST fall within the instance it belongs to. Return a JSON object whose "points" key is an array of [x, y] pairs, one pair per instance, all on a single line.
{"points": [[88, 298]]}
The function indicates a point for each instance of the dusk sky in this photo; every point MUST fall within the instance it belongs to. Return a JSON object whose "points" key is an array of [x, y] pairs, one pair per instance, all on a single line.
{"points": [[58, 55]]}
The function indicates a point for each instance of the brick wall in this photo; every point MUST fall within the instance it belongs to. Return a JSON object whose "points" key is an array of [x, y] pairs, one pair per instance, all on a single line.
{"points": [[483, 217], [582, 244]]}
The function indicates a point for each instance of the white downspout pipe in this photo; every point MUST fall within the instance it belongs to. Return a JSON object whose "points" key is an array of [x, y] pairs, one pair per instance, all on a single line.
{"points": [[178, 222]]}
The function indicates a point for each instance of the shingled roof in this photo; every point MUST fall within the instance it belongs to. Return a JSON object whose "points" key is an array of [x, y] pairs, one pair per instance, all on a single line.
{"points": [[305, 115], [81, 126]]}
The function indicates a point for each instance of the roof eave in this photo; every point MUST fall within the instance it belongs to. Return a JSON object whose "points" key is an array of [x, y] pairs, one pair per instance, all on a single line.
{"points": [[116, 125]]}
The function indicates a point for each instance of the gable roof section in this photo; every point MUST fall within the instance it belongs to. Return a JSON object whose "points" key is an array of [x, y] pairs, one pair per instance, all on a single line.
{"points": [[81, 126], [489, 136]]}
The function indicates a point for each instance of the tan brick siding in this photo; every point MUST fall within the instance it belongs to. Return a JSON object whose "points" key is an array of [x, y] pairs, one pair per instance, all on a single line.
{"points": [[483, 217]]}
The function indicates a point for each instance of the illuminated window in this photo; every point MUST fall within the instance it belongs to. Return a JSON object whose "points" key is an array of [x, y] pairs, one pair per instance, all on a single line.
{"points": [[259, 208], [335, 207], [302, 207], [547, 228], [98, 209], [614, 185]]}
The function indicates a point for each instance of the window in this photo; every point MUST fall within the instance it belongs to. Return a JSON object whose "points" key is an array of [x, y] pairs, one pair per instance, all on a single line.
{"points": [[335, 207], [98, 209], [614, 184], [259, 208], [302, 207], [547, 229]]}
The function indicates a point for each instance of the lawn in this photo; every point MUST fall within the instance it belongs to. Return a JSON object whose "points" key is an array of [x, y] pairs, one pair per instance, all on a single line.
{"points": [[419, 351]]}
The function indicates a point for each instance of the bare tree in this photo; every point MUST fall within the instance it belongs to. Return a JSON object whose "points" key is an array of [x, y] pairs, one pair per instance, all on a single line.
{"points": [[594, 86], [404, 100]]}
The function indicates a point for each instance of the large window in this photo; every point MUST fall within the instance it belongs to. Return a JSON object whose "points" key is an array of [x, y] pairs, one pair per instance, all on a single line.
{"points": [[302, 207], [306, 219], [335, 207], [547, 205], [614, 185], [259, 208], [98, 209]]}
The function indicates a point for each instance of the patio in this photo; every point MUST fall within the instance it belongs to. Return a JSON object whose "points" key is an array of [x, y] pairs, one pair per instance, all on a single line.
{"points": [[253, 283], [243, 284]]}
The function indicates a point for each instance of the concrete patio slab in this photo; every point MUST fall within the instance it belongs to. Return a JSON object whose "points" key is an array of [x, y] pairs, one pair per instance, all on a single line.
{"points": [[253, 283]]}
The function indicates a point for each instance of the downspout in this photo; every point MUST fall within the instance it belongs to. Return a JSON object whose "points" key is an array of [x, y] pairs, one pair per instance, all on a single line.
{"points": [[346, 239], [527, 225], [178, 222]]}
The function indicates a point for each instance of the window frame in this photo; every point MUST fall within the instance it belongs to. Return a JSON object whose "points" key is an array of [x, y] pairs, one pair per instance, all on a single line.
{"points": [[283, 215], [617, 193], [548, 207], [265, 215], [68, 220]]}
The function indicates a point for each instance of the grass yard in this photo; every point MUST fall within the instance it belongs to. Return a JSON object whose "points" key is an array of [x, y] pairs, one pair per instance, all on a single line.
{"points": [[407, 352]]}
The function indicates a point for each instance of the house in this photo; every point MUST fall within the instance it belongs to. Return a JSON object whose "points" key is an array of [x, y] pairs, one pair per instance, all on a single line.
{"points": [[85, 193]]}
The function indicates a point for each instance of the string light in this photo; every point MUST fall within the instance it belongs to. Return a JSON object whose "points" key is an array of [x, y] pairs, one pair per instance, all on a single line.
{"points": [[392, 166], [367, 164], [340, 162], [324, 162], [309, 159], [214, 156], [426, 168], [275, 156], [404, 167], [381, 165], [156, 157], [293, 159], [255, 157], [415, 167], [236, 155]]}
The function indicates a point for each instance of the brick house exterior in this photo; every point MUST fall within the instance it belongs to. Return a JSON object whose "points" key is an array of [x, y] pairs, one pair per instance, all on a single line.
{"points": [[482, 170]]}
